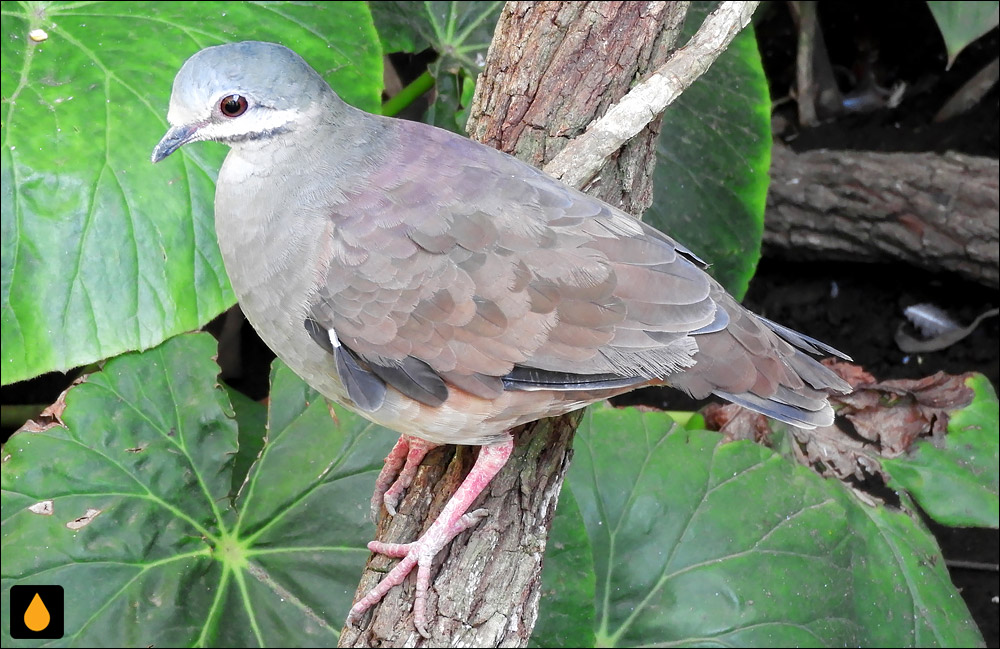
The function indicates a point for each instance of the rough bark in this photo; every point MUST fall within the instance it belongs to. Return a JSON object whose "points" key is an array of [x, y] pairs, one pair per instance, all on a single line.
{"points": [[555, 67], [581, 160], [552, 68], [939, 212]]}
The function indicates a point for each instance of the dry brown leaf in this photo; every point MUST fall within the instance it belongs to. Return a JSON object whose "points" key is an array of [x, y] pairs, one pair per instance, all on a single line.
{"points": [[879, 419]]}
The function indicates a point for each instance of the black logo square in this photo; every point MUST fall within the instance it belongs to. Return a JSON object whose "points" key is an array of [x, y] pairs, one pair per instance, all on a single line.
{"points": [[36, 612]]}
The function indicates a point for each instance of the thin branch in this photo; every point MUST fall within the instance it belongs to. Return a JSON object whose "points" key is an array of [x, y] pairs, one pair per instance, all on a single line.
{"points": [[583, 157], [984, 566]]}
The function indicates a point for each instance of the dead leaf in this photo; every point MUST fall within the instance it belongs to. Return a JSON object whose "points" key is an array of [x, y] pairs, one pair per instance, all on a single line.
{"points": [[877, 420]]}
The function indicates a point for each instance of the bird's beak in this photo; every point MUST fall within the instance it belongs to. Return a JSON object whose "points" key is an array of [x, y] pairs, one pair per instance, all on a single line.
{"points": [[175, 138]]}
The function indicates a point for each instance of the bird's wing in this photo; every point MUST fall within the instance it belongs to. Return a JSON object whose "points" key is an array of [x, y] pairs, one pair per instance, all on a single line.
{"points": [[456, 265]]}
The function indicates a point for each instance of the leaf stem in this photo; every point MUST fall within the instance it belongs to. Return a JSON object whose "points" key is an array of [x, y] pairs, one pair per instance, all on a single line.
{"points": [[450, 29], [486, 13], [408, 95]]}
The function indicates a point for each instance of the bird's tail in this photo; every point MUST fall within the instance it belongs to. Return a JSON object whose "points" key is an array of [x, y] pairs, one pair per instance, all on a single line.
{"points": [[764, 366]]}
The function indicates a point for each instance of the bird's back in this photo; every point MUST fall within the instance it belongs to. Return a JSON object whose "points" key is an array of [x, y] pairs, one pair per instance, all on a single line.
{"points": [[448, 267]]}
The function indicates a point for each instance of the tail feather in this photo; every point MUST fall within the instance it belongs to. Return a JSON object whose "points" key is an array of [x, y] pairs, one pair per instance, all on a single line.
{"points": [[796, 416], [785, 382], [816, 374], [803, 341]]}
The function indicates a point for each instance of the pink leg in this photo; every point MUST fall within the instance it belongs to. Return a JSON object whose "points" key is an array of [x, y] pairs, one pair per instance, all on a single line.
{"points": [[396, 476], [452, 521]]}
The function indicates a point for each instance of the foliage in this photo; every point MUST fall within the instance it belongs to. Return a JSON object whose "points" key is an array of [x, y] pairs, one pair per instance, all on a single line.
{"points": [[141, 515], [696, 541], [957, 483], [712, 159], [170, 521], [460, 32], [963, 22], [655, 540], [101, 251]]}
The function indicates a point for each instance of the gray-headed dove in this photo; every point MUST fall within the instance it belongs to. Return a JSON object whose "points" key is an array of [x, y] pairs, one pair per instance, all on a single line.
{"points": [[449, 291]]}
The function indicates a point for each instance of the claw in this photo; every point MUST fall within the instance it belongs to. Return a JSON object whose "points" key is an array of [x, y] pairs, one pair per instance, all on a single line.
{"points": [[453, 520], [397, 475]]}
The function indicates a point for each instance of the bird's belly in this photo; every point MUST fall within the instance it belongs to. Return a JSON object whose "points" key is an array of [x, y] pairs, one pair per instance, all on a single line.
{"points": [[467, 419]]}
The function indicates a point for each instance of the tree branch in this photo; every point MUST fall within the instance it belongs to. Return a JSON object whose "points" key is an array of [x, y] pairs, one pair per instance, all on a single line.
{"points": [[553, 68], [580, 161], [929, 210]]}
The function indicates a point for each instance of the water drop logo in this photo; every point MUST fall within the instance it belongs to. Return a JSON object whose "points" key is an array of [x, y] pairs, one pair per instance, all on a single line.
{"points": [[36, 612], [37, 617]]}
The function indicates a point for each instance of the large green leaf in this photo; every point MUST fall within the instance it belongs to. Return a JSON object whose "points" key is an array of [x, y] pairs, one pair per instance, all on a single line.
{"points": [[566, 606], [251, 423], [101, 251], [460, 32], [902, 593], [712, 162], [957, 482], [963, 22], [140, 530], [696, 542]]}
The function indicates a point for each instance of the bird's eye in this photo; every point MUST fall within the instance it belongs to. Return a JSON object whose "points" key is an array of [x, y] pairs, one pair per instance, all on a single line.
{"points": [[233, 105]]}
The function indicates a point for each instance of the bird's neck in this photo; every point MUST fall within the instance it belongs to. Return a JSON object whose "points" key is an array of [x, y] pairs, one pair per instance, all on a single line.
{"points": [[329, 133], [274, 195]]}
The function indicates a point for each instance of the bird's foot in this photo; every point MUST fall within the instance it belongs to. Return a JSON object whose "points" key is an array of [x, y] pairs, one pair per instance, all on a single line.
{"points": [[396, 476], [419, 554], [452, 521]]}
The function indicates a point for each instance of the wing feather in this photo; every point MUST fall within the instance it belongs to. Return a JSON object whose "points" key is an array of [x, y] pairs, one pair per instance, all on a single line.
{"points": [[486, 275]]}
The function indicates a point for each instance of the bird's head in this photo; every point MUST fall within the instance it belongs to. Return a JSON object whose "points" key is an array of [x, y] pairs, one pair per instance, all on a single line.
{"points": [[240, 92]]}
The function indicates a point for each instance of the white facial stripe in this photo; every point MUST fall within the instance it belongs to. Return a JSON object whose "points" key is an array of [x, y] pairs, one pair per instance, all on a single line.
{"points": [[250, 122]]}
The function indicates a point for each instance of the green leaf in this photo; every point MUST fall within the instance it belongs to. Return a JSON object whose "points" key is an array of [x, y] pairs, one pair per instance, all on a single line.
{"points": [[402, 26], [566, 606], [251, 422], [460, 32], [696, 542], [101, 251], [163, 558], [712, 162], [453, 101], [957, 484], [963, 22], [902, 593]]}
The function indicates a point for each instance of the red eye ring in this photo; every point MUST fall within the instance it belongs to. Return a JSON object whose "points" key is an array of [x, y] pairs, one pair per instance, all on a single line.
{"points": [[233, 105]]}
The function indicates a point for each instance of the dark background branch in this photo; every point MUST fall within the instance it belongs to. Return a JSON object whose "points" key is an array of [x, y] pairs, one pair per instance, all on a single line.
{"points": [[934, 211]]}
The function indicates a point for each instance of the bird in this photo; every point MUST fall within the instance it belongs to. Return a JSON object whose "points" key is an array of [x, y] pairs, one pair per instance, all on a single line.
{"points": [[451, 292]]}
